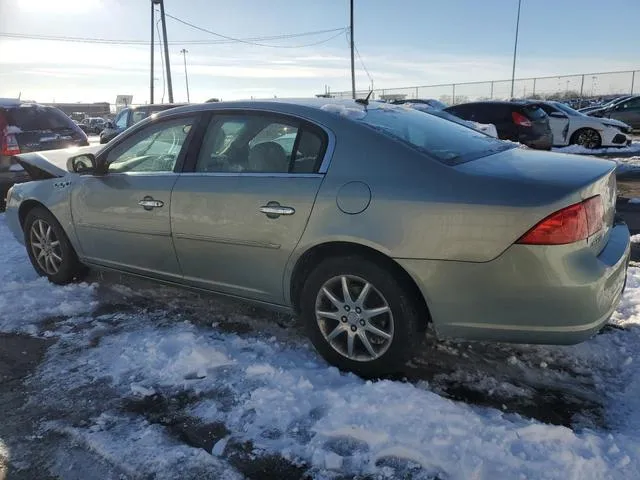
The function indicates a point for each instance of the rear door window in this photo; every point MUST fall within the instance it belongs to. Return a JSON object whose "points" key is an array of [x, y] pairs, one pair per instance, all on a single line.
{"points": [[440, 139], [33, 118]]}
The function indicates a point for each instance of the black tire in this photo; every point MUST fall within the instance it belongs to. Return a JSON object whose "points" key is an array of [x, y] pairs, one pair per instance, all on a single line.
{"points": [[405, 316], [70, 268], [586, 137]]}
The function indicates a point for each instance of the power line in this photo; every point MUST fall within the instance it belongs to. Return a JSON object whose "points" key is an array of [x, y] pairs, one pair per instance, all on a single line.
{"points": [[107, 41], [363, 65], [240, 40]]}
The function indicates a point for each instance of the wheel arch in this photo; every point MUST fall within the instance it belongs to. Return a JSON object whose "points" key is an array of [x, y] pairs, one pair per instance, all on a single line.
{"points": [[28, 205], [576, 132], [317, 253]]}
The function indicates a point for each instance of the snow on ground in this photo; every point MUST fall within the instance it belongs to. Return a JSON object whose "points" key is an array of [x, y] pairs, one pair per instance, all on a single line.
{"points": [[130, 377], [577, 149]]}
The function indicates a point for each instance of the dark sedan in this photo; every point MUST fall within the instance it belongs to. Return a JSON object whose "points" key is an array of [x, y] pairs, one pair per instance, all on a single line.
{"points": [[523, 122]]}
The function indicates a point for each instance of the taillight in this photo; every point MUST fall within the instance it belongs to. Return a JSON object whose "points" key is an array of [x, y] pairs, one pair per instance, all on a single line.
{"points": [[10, 145], [520, 119], [595, 214], [571, 224]]}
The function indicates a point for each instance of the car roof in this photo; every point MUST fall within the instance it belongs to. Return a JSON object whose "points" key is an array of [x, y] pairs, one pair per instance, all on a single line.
{"points": [[279, 104]]}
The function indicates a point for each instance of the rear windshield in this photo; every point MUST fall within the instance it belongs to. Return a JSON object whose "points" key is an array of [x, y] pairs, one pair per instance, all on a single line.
{"points": [[533, 112], [444, 140], [37, 117]]}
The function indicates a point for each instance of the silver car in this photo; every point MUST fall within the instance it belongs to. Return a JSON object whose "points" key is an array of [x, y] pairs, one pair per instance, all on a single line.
{"points": [[370, 221]]}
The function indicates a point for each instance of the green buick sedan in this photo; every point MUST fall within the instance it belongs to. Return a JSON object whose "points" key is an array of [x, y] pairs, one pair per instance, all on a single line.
{"points": [[369, 221]]}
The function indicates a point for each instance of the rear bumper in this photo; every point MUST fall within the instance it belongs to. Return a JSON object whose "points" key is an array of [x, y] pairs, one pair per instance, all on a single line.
{"points": [[539, 142], [530, 294]]}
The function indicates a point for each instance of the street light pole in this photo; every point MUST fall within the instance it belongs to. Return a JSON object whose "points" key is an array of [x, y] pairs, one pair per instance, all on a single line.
{"points": [[166, 49], [515, 50], [152, 52], [184, 52], [353, 68]]}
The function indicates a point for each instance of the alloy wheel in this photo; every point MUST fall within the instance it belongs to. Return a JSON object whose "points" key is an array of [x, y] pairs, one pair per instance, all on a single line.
{"points": [[588, 139], [354, 318], [45, 247]]}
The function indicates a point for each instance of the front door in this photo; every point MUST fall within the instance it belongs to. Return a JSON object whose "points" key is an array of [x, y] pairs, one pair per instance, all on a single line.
{"points": [[122, 218], [628, 112], [239, 215]]}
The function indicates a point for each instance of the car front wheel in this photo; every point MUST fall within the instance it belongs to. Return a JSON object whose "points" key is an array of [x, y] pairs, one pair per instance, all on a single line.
{"points": [[49, 249], [587, 137], [359, 316]]}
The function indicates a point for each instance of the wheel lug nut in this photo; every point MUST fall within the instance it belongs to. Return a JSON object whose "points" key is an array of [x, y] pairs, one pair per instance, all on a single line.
{"points": [[344, 319], [362, 322], [353, 328], [358, 310], [347, 308]]}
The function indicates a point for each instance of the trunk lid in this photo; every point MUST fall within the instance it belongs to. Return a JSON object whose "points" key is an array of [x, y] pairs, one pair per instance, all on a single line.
{"points": [[544, 183]]}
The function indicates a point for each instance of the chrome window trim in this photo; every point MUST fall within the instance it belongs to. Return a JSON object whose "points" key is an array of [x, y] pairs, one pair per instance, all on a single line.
{"points": [[253, 174]]}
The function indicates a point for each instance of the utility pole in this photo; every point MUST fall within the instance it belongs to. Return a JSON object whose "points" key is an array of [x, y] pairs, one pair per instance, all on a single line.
{"points": [[184, 52], [152, 52], [353, 68], [515, 50], [166, 48]]}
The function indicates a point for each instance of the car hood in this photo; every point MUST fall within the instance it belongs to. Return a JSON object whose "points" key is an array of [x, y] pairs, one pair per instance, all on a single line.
{"points": [[50, 163], [612, 121]]}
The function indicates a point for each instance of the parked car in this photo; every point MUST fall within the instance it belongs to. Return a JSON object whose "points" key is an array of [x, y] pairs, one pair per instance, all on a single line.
{"points": [[518, 121], [29, 127], [627, 111], [82, 126], [376, 220], [94, 125], [571, 127], [603, 105], [130, 116]]}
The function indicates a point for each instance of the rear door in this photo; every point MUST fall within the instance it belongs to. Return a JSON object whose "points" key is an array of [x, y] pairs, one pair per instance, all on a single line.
{"points": [[122, 218], [239, 214], [38, 128]]}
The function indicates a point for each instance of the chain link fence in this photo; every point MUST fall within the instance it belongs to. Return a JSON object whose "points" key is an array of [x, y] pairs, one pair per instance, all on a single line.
{"points": [[581, 87]]}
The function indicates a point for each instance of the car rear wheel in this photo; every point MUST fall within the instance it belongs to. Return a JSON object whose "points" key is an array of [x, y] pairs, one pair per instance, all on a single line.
{"points": [[587, 137], [49, 249], [359, 316]]}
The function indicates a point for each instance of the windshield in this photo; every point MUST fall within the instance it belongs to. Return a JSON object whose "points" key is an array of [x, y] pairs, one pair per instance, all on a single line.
{"points": [[444, 140], [568, 110]]}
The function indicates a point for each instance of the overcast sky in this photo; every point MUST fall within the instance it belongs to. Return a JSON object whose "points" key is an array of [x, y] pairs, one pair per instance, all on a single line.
{"points": [[402, 43]]}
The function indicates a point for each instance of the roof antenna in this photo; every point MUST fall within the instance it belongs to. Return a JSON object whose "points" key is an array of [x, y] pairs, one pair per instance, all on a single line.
{"points": [[364, 101]]}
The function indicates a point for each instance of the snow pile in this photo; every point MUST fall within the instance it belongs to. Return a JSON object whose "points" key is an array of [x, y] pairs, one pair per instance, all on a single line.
{"points": [[26, 298], [12, 130], [282, 399], [577, 149], [343, 110]]}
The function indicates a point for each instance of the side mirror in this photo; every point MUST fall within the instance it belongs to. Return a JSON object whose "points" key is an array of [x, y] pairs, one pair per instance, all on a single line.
{"points": [[558, 115], [109, 124], [83, 164]]}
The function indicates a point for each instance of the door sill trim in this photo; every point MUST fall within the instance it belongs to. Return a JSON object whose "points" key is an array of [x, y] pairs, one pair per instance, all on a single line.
{"points": [[177, 283]]}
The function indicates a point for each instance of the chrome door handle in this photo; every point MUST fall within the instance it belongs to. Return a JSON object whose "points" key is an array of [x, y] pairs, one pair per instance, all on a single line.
{"points": [[148, 203], [274, 210]]}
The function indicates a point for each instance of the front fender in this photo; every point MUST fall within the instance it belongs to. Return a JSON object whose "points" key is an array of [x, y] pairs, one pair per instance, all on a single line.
{"points": [[54, 194]]}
